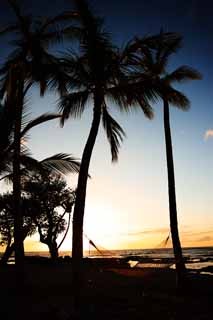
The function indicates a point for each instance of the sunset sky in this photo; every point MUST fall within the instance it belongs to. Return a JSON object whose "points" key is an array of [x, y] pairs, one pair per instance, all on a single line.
{"points": [[127, 202]]}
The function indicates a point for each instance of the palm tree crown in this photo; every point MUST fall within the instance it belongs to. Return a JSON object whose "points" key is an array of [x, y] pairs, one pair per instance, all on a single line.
{"points": [[154, 61], [99, 70]]}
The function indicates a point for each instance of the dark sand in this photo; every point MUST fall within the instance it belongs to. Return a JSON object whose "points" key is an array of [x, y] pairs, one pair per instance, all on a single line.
{"points": [[110, 292]]}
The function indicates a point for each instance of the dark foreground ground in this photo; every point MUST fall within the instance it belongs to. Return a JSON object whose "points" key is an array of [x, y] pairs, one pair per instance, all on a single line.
{"points": [[110, 292]]}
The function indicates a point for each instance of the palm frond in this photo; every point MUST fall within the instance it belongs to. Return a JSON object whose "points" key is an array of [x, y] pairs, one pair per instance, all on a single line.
{"points": [[167, 46], [77, 70], [39, 120], [154, 41], [169, 49], [129, 95], [177, 99], [182, 74], [73, 105], [114, 133], [61, 163]]}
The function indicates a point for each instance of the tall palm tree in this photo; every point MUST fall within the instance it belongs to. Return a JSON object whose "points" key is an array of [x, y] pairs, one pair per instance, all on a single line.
{"points": [[154, 61], [29, 62], [98, 74]]}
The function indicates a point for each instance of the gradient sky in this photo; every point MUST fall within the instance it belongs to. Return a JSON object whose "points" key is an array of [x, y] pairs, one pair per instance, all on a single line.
{"points": [[127, 202]]}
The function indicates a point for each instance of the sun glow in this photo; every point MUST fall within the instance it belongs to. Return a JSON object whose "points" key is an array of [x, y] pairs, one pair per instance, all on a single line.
{"points": [[102, 225]]}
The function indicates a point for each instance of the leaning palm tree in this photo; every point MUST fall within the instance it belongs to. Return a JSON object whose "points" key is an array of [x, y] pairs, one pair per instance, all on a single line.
{"points": [[98, 75], [154, 61]]}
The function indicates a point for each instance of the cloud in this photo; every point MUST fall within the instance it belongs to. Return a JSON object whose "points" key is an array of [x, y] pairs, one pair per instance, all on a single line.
{"points": [[153, 231], [198, 237], [206, 238], [208, 134]]}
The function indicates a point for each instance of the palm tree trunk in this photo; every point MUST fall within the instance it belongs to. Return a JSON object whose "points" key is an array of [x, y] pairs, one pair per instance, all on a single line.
{"points": [[18, 218], [180, 266], [78, 215]]}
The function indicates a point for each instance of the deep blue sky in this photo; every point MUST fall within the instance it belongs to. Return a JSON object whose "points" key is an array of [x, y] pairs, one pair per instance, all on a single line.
{"points": [[135, 190]]}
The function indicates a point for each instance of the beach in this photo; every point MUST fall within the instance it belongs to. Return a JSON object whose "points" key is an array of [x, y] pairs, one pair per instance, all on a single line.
{"points": [[108, 292]]}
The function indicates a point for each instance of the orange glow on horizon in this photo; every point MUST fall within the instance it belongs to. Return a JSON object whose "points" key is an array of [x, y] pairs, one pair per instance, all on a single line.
{"points": [[148, 239]]}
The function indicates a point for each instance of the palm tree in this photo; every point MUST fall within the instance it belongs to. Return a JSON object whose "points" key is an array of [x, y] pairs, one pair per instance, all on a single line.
{"points": [[29, 62], [98, 74], [154, 61]]}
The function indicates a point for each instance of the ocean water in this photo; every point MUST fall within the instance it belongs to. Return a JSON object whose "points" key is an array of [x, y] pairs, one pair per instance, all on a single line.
{"points": [[198, 259], [201, 253]]}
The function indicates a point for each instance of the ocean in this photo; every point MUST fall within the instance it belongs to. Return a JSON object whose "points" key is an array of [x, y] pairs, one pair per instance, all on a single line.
{"points": [[197, 259]]}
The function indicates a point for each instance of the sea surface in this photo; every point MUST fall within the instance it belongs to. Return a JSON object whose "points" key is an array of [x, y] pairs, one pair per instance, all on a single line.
{"points": [[197, 259]]}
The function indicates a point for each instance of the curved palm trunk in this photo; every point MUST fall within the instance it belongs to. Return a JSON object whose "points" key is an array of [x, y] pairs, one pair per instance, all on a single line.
{"points": [[180, 266], [18, 218], [78, 215]]}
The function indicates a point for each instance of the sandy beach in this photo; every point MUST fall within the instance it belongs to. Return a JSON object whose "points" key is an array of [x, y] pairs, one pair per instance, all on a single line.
{"points": [[108, 293]]}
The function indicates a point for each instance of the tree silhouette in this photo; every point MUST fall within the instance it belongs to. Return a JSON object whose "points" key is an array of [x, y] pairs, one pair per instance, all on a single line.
{"points": [[29, 62], [54, 200], [7, 222], [97, 74], [154, 60]]}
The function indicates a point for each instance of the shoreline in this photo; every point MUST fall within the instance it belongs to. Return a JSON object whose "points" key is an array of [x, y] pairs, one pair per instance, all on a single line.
{"points": [[202, 265]]}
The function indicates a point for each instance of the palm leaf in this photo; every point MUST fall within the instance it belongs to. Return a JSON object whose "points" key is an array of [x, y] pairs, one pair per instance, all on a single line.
{"points": [[182, 74], [73, 104], [39, 120], [129, 95], [61, 163], [177, 99], [114, 133], [164, 47]]}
